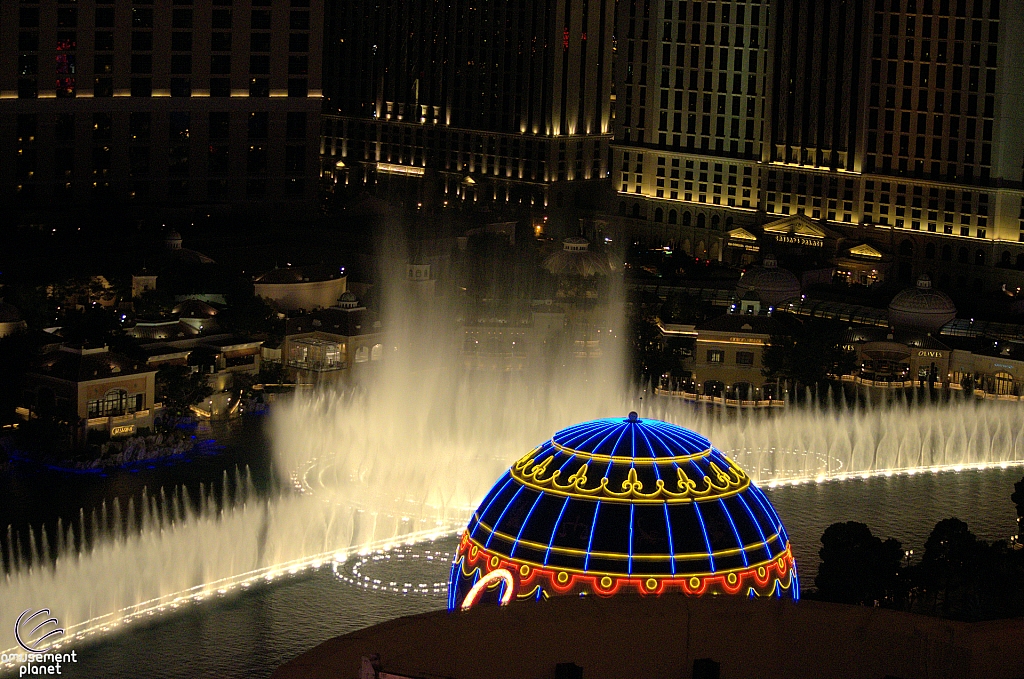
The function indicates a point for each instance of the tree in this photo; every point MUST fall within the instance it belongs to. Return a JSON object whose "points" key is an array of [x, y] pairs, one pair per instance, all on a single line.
{"points": [[809, 355], [1017, 497], [154, 303], [650, 360], [857, 567], [248, 315], [949, 567], [179, 388], [15, 358]]}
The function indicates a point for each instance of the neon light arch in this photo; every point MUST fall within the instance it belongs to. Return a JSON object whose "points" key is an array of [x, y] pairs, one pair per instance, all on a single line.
{"points": [[619, 505], [486, 582]]}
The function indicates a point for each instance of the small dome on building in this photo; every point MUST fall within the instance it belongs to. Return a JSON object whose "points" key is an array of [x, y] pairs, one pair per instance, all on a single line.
{"points": [[622, 505], [576, 259], [348, 300], [921, 307], [771, 284], [173, 240]]}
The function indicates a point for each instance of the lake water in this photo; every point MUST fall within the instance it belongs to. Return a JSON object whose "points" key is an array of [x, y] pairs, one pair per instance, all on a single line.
{"points": [[250, 634]]}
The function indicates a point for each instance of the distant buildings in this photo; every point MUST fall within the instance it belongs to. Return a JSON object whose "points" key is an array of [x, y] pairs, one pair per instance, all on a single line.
{"points": [[898, 125], [333, 343], [180, 103], [92, 389], [486, 103], [310, 287]]}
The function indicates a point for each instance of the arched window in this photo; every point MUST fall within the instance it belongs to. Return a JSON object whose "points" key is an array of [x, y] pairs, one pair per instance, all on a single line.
{"points": [[636, 210], [687, 219], [659, 214], [979, 257], [115, 402], [1005, 258], [622, 208], [1020, 261], [962, 255], [929, 251], [906, 249], [728, 222], [701, 221], [376, 351], [673, 217], [716, 221], [947, 253], [714, 388], [362, 355]]}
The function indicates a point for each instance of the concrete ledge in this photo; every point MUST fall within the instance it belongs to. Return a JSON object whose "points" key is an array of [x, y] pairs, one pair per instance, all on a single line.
{"points": [[655, 638]]}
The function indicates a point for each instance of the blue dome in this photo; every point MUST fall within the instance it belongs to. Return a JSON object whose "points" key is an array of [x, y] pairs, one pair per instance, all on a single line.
{"points": [[622, 503]]}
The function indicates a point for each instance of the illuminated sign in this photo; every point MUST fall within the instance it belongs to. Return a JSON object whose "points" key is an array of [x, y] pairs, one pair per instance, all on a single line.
{"points": [[799, 240], [123, 430], [930, 354], [391, 168]]}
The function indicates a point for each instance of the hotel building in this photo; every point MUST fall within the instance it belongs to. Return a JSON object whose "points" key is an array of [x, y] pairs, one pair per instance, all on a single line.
{"points": [[159, 100], [894, 122], [484, 102]]}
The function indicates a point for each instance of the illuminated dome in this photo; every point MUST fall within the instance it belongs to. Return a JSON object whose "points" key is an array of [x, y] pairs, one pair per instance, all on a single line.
{"points": [[921, 308], [622, 505], [772, 285]]}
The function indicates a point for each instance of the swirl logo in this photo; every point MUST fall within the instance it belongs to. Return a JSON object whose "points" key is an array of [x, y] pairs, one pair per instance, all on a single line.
{"points": [[34, 628]]}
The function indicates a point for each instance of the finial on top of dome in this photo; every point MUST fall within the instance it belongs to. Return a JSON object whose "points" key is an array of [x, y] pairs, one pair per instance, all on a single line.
{"points": [[633, 417], [770, 262], [924, 282]]}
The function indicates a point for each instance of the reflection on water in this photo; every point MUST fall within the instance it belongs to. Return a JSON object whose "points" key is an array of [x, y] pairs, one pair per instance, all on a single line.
{"points": [[249, 635]]}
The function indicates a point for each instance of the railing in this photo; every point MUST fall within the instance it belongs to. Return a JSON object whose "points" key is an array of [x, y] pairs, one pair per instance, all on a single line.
{"points": [[719, 400], [879, 384]]}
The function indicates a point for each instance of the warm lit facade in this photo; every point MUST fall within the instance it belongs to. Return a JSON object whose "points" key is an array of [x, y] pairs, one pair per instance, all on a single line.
{"points": [[484, 102], [332, 344], [898, 123], [91, 389], [185, 102], [622, 505]]}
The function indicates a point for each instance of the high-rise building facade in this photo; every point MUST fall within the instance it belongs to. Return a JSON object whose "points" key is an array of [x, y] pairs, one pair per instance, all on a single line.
{"points": [[159, 100], [895, 121], [485, 101]]}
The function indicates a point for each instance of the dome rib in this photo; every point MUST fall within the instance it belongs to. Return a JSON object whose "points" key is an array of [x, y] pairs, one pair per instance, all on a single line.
{"points": [[668, 512]]}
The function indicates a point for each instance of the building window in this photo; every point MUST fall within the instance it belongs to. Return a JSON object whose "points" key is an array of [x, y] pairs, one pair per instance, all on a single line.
{"points": [[259, 87], [296, 125], [220, 63], [181, 87], [744, 358], [716, 356], [298, 42], [259, 42], [142, 87], [220, 87], [362, 355], [298, 87], [299, 21]]}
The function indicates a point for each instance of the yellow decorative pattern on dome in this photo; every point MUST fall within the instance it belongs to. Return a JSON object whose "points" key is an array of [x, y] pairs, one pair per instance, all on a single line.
{"points": [[717, 484]]}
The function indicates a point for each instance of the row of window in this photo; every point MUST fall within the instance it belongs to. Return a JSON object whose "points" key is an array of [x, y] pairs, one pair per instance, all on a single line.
{"points": [[28, 88], [178, 160], [143, 17], [256, 187], [140, 124], [745, 358]]}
